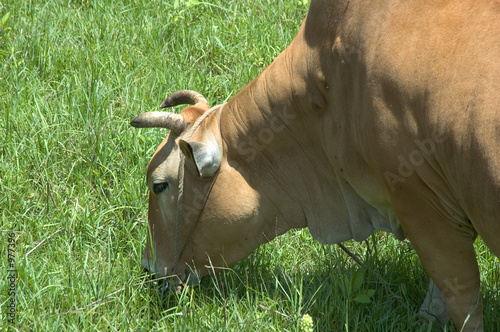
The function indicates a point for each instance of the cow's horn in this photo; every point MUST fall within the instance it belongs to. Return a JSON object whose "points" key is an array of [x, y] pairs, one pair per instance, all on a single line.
{"points": [[183, 97], [172, 121]]}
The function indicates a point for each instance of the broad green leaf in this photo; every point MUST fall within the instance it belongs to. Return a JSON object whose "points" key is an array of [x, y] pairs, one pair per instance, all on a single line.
{"points": [[5, 18], [357, 280], [362, 298]]}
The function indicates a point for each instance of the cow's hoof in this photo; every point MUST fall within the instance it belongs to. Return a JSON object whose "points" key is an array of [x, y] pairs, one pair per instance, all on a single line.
{"points": [[434, 309]]}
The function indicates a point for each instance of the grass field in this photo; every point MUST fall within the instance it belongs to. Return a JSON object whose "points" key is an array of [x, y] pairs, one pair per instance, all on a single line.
{"points": [[73, 73]]}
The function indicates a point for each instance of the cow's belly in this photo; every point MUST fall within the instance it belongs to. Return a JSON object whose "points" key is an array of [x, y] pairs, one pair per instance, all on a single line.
{"points": [[370, 209], [353, 215]]}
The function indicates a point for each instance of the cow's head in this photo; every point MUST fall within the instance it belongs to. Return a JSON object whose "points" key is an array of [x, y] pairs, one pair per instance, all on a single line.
{"points": [[220, 222]]}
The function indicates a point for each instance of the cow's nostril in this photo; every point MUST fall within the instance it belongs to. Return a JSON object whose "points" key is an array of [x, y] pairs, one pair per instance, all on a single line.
{"points": [[145, 265], [146, 270], [161, 284]]}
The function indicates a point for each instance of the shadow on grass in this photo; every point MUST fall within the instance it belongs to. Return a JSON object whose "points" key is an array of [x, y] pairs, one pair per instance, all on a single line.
{"points": [[266, 290]]}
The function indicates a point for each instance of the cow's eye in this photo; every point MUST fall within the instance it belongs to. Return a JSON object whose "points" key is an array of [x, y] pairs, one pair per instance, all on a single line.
{"points": [[160, 187]]}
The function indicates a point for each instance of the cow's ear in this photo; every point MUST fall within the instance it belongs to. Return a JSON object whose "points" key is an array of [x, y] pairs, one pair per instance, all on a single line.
{"points": [[205, 156]]}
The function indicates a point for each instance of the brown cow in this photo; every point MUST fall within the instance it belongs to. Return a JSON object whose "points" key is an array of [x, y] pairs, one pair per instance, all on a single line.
{"points": [[379, 115]]}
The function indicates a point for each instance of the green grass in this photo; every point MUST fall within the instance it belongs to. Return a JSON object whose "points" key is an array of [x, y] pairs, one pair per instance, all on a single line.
{"points": [[72, 177]]}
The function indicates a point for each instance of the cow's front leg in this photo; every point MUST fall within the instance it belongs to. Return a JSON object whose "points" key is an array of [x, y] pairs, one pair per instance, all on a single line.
{"points": [[453, 267], [444, 244]]}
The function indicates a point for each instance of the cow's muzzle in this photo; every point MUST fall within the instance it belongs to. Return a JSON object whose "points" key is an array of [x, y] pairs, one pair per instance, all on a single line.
{"points": [[169, 283]]}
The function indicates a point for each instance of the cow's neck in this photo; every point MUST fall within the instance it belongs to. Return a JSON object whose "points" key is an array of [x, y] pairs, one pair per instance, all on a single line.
{"points": [[284, 136], [269, 141]]}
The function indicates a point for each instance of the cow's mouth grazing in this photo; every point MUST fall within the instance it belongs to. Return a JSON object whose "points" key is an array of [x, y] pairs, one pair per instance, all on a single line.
{"points": [[170, 283]]}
